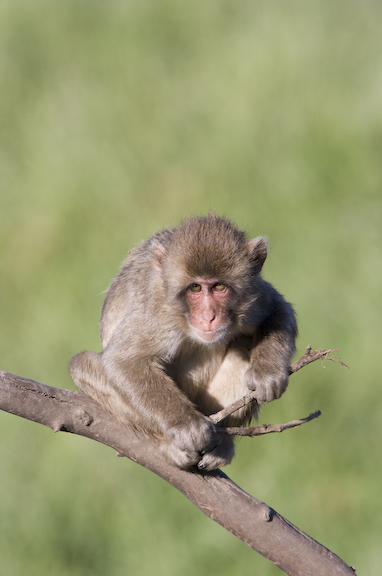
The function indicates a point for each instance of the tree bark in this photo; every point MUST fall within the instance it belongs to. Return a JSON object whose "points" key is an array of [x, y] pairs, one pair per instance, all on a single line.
{"points": [[255, 523]]}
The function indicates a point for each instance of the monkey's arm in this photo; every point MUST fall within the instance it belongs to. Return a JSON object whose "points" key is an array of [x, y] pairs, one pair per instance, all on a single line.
{"points": [[160, 407], [273, 347], [139, 393]]}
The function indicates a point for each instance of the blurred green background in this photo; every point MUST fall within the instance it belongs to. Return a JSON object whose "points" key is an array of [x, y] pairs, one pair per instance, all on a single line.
{"points": [[120, 118]]}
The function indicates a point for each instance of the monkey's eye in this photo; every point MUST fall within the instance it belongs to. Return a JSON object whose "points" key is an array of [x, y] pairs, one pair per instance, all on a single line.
{"points": [[219, 287], [195, 288]]}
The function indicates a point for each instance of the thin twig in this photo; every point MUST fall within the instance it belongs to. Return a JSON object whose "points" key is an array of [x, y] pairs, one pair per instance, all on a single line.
{"points": [[310, 356], [219, 416], [268, 428]]}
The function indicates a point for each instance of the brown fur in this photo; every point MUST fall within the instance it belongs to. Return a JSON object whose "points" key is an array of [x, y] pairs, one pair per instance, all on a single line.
{"points": [[155, 372]]}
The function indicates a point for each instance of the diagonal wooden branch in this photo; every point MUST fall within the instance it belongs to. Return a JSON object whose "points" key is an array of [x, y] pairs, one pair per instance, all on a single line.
{"points": [[255, 523], [308, 357]]}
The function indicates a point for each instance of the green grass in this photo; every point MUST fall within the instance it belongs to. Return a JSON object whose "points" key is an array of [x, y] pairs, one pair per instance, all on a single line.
{"points": [[120, 118]]}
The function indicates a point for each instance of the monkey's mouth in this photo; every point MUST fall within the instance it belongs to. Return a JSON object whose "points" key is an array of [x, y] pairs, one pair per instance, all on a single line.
{"points": [[209, 335]]}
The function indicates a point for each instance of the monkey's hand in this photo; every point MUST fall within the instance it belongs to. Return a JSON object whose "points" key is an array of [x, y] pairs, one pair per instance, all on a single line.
{"points": [[186, 440], [196, 443], [269, 382]]}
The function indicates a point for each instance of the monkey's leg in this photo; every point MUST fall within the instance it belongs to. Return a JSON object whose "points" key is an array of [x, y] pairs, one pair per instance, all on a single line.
{"points": [[88, 374]]}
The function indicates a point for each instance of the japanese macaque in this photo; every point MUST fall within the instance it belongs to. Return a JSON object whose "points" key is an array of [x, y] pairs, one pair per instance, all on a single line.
{"points": [[187, 327]]}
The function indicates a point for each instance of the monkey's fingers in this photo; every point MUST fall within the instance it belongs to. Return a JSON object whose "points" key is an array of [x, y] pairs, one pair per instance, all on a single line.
{"points": [[218, 456]]}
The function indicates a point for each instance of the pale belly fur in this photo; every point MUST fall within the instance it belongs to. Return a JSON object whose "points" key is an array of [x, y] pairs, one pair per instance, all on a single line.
{"points": [[213, 380]]}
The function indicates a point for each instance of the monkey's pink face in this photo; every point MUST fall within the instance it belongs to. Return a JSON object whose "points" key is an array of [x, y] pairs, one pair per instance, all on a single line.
{"points": [[207, 302]]}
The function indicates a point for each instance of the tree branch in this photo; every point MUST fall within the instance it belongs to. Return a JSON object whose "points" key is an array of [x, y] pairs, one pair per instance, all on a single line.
{"points": [[255, 523]]}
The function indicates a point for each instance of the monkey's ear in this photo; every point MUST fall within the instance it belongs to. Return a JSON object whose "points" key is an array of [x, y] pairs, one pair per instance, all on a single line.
{"points": [[157, 254], [258, 252]]}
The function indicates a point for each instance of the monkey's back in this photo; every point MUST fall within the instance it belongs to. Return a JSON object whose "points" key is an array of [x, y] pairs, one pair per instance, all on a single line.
{"points": [[134, 295]]}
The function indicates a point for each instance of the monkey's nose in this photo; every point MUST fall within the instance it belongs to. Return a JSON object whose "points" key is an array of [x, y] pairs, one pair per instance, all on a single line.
{"points": [[208, 315], [206, 323], [207, 319]]}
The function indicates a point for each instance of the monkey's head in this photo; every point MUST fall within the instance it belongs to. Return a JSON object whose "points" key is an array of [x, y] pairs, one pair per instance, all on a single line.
{"points": [[209, 268]]}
